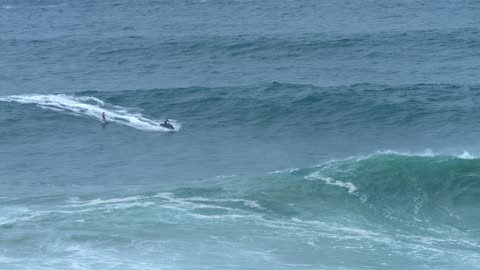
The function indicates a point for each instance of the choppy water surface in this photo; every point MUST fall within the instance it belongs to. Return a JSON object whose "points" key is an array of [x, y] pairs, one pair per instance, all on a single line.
{"points": [[308, 135]]}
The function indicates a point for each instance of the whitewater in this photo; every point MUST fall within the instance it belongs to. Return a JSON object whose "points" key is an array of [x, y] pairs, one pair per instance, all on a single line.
{"points": [[398, 210]]}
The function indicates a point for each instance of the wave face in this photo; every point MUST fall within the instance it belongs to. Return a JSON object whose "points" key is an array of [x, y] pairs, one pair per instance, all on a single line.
{"points": [[413, 210]]}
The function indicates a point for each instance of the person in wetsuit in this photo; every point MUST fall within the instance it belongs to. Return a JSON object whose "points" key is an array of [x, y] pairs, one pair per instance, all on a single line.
{"points": [[167, 124]]}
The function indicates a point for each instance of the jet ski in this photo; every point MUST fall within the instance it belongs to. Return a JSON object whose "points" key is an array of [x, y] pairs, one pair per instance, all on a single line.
{"points": [[167, 125]]}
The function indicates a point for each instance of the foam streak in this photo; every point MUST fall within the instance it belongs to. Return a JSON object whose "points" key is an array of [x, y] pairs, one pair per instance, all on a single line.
{"points": [[91, 107]]}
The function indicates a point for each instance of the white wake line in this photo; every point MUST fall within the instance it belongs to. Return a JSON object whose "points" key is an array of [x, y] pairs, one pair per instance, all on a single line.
{"points": [[93, 109]]}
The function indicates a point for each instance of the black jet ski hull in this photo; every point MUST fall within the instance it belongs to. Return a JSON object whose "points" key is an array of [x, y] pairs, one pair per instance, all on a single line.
{"points": [[169, 126]]}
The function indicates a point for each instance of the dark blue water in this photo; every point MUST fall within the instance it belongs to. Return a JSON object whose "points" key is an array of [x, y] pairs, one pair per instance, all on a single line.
{"points": [[308, 135]]}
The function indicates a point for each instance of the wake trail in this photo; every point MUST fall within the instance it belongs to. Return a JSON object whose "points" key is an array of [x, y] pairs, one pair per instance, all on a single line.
{"points": [[91, 107]]}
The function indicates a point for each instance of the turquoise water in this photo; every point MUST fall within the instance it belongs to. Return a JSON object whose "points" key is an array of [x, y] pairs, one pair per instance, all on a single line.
{"points": [[309, 135]]}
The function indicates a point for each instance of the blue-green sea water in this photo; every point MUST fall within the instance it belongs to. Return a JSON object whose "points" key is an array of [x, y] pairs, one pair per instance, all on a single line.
{"points": [[308, 134]]}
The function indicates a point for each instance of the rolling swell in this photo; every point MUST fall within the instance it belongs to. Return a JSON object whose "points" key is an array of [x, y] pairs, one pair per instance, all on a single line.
{"points": [[418, 188], [131, 59], [282, 105], [261, 120], [417, 209], [280, 102]]}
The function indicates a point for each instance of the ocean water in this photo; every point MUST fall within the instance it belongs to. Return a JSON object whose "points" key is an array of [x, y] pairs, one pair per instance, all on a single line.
{"points": [[308, 134]]}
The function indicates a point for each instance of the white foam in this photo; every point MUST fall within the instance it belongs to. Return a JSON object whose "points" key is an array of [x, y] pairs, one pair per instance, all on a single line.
{"points": [[188, 204], [330, 181], [346, 231], [130, 205], [93, 202], [426, 153], [248, 203], [252, 204], [12, 215], [227, 216], [4, 259], [466, 155], [226, 176], [284, 171], [91, 107]]}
